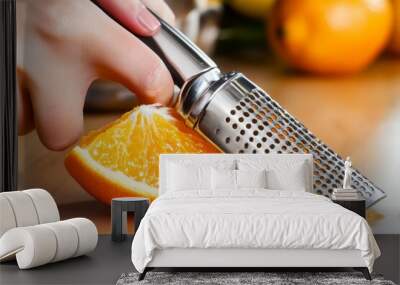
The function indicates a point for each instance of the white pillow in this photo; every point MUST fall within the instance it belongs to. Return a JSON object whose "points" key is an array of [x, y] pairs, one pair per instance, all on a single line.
{"points": [[251, 179], [181, 177], [282, 174], [293, 178], [223, 179]]}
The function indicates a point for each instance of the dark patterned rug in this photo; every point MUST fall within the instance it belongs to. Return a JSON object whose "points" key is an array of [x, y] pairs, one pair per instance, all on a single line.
{"points": [[268, 278]]}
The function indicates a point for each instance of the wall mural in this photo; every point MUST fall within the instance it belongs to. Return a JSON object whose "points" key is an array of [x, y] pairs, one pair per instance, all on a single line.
{"points": [[66, 85]]}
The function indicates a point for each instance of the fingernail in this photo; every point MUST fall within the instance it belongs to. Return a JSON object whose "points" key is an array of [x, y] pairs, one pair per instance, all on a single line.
{"points": [[147, 19]]}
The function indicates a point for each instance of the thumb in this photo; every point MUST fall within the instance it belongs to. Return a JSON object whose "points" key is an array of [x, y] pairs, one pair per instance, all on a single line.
{"points": [[57, 106]]}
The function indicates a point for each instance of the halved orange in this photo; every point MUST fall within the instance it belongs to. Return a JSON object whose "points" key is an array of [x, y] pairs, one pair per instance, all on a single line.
{"points": [[121, 159]]}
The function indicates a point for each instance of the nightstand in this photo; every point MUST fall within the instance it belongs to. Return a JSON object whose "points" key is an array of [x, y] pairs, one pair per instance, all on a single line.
{"points": [[356, 205], [119, 208]]}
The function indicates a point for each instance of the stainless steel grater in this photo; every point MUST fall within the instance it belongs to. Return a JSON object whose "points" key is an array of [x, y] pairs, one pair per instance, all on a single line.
{"points": [[238, 117]]}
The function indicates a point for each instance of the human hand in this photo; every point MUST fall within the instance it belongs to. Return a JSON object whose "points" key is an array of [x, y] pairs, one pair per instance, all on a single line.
{"points": [[69, 44]]}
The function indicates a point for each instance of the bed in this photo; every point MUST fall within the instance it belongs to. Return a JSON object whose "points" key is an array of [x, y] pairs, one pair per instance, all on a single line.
{"points": [[245, 211]]}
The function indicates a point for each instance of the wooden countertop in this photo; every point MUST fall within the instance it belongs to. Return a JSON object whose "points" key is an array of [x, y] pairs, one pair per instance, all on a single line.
{"points": [[343, 111]]}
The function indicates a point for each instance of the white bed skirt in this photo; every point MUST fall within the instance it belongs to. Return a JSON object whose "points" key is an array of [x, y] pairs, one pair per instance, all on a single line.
{"points": [[193, 257]]}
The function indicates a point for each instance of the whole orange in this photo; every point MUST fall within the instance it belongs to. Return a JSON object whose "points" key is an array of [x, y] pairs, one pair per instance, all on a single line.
{"points": [[394, 43], [330, 36]]}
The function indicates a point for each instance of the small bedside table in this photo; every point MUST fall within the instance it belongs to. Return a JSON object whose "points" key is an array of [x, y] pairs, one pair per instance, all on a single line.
{"points": [[119, 208], [357, 205]]}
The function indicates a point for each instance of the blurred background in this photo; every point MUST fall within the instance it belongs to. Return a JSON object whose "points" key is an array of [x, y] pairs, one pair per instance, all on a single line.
{"points": [[333, 64]]}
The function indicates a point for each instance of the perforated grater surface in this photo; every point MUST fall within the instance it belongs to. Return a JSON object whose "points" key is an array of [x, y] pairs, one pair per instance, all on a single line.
{"points": [[238, 117], [241, 118]]}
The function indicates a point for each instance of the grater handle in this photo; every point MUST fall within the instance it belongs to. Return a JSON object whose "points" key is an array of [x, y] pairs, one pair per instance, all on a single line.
{"points": [[182, 57]]}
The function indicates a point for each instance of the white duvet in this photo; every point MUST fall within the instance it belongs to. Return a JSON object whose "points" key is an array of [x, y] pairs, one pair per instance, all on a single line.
{"points": [[250, 219]]}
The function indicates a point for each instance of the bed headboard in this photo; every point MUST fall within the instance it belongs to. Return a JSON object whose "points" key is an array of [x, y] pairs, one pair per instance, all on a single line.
{"points": [[201, 159]]}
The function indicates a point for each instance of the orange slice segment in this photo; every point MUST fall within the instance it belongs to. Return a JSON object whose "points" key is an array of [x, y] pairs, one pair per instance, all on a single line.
{"points": [[121, 159]]}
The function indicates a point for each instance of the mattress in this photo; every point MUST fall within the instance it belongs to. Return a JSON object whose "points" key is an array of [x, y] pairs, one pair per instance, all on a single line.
{"points": [[250, 219]]}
